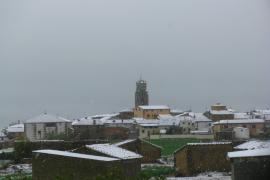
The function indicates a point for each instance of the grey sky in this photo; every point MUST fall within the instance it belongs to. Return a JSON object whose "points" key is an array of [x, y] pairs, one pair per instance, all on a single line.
{"points": [[78, 58]]}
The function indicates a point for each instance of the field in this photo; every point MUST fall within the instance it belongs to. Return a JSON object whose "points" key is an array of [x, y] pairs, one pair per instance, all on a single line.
{"points": [[170, 145]]}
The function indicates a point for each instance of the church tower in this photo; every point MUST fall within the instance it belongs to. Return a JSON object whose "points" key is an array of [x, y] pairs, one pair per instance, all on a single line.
{"points": [[141, 94]]}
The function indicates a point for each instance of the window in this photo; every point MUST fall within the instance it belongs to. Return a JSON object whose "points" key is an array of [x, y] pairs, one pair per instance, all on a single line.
{"points": [[253, 126], [244, 126], [142, 130]]}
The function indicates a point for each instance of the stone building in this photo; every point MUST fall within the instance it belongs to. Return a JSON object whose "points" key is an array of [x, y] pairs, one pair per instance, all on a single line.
{"points": [[88, 128], [141, 94], [255, 126], [195, 158], [130, 160], [126, 114], [150, 152], [219, 112], [151, 112], [54, 164], [250, 164], [46, 126]]}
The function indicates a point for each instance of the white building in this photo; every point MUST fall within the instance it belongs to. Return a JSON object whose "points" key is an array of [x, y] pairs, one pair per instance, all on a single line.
{"points": [[15, 131], [44, 125]]}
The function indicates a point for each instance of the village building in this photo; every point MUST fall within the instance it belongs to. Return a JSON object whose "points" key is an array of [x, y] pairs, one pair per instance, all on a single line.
{"points": [[255, 126], [151, 112], [104, 128], [147, 129], [187, 124], [53, 164], [130, 160], [175, 112], [126, 114], [150, 152], [261, 114], [195, 158], [250, 164], [15, 131], [46, 126], [253, 144], [219, 112]]}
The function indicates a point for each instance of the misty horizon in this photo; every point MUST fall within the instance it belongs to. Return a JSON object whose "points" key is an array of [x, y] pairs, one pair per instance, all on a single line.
{"points": [[77, 59]]}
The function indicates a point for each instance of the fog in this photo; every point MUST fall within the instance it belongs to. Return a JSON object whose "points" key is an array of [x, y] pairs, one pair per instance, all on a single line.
{"points": [[79, 58]]}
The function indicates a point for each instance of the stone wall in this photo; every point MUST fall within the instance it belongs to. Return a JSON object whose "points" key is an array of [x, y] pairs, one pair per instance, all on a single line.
{"points": [[49, 167], [149, 151], [193, 159], [251, 168], [100, 132]]}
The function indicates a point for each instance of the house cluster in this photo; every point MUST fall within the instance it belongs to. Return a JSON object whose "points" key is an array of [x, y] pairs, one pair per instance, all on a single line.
{"points": [[247, 161], [145, 120], [95, 161]]}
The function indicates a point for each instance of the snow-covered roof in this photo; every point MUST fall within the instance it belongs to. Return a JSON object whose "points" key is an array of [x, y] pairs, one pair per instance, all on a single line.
{"points": [[250, 153], [240, 115], [126, 110], [263, 111], [199, 117], [221, 112], [124, 142], [242, 121], [165, 116], [208, 143], [149, 125], [75, 155], [120, 121], [154, 107], [146, 121], [47, 118], [88, 121], [254, 144], [17, 128], [100, 116], [176, 111], [114, 151]]}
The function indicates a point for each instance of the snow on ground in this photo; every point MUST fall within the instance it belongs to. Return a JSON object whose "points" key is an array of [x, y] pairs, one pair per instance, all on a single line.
{"points": [[22, 168], [205, 176]]}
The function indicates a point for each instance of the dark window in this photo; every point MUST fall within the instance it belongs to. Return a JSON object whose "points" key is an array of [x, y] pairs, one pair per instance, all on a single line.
{"points": [[253, 126]]}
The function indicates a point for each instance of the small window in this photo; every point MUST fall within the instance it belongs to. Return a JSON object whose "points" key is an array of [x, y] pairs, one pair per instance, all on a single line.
{"points": [[253, 126], [142, 130], [244, 126]]}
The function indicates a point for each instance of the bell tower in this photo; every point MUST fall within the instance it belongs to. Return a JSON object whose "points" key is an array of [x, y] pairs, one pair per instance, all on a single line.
{"points": [[141, 94]]}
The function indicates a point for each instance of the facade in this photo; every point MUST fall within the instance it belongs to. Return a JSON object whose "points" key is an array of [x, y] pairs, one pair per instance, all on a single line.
{"points": [[126, 114], [53, 164], [250, 164], [15, 131], [255, 126], [150, 152], [219, 112], [46, 126], [147, 129], [141, 94], [195, 158], [150, 112], [131, 161]]}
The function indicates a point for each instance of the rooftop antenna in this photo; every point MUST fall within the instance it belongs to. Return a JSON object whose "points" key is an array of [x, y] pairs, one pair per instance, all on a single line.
{"points": [[45, 111]]}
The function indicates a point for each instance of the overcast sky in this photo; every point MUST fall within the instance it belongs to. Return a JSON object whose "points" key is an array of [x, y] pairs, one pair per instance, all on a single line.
{"points": [[83, 57]]}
